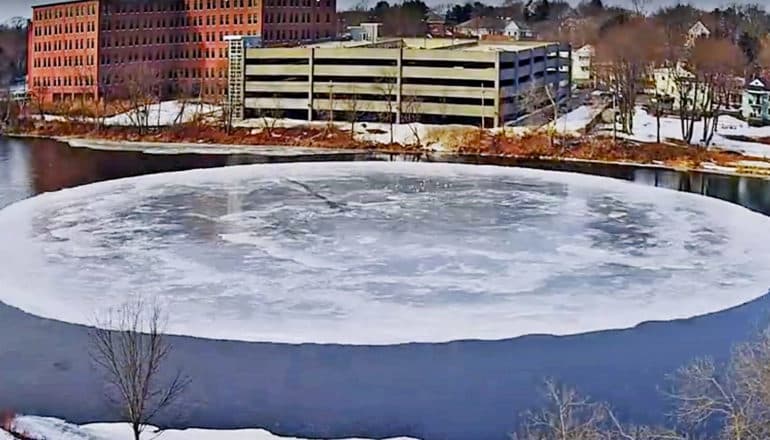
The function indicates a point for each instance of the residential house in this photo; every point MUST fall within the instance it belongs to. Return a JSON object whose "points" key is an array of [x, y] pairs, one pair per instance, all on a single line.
{"points": [[480, 26], [756, 102], [667, 82], [697, 31], [437, 25], [518, 31], [582, 64], [365, 32]]}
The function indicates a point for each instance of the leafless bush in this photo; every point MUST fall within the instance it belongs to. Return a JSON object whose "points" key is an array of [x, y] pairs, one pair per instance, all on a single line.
{"points": [[569, 416], [387, 88], [712, 401], [734, 397], [410, 115], [566, 416]]}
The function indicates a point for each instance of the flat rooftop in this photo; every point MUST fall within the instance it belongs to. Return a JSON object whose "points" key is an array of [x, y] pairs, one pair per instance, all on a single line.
{"points": [[467, 44], [37, 5]]}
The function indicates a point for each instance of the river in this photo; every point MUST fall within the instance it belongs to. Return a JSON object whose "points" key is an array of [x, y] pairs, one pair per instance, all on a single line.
{"points": [[457, 390]]}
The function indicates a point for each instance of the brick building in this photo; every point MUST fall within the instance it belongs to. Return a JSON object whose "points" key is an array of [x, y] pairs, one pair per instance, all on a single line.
{"points": [[103, 48]]}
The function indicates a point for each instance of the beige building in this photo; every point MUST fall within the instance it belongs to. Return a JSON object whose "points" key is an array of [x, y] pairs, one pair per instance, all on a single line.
{"points": [[400, 80], [582, 64]]}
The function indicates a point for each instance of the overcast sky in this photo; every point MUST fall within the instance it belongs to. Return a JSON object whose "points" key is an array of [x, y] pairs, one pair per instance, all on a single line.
{"points": [[13, 8]]}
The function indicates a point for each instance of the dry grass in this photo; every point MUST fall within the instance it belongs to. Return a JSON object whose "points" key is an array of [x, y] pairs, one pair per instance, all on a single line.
{"points": [[197, 133], [454, 138], [462, 140], [538, 145]]}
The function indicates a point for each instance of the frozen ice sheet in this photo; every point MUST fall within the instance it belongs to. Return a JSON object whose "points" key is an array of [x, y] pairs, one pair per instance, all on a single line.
{"points": [[381, 253]]}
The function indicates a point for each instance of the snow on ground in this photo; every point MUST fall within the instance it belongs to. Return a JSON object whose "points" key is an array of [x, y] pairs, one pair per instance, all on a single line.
{"points": [[645, 130], [729, 125], [155, 115], [381, 253], [429, 136], [46, 428], [163, 114], [577, 120]]}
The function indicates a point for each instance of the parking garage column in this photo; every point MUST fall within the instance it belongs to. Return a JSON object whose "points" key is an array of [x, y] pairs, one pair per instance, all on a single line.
{"points": [[399, 75], [310, 82], [498, 110]]}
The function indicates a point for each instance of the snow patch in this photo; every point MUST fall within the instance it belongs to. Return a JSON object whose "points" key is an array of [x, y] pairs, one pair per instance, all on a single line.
{"points": [[47, 428], [645, 130], [155, 115], [432, 137], [577, 120]]}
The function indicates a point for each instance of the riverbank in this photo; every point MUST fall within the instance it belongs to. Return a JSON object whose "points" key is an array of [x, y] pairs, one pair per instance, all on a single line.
{"points": [[301, 140]]}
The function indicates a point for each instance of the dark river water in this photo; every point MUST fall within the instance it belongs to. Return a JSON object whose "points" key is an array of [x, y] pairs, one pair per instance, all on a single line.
{"points": [[459, 390], [33, 166]]}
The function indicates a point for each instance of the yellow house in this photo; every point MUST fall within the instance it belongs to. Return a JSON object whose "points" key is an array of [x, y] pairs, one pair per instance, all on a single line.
{"points": [[667, 82]]}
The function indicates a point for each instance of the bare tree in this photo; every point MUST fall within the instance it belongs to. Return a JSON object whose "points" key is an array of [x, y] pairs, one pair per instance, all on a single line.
{"points": [[735, 396], [137, 88], [531, 98], [640, 6], [689, 93], [625, 53], [39, 97], [551, 93], [212, 91], [129, 348], [566, 416], [272, 116], [716, 64], [543, 96], [410, 115], [387, 88], [353, 109], [764, 55], [11, 51], [330, 103], [664, 60]]}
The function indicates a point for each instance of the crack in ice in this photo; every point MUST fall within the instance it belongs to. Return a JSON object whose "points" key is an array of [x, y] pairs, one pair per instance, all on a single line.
{"points": [[396, 253]]}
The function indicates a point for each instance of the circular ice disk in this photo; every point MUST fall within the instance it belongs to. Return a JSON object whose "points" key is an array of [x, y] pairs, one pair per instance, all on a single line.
{"points": [[381, 253]]}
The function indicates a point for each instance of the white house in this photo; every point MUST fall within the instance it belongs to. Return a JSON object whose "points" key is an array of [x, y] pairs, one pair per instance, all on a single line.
{"points": [[697, 31], [365, 32], [756, 102], [517, 31], [483, 26], [582, 62], [480, 27]]}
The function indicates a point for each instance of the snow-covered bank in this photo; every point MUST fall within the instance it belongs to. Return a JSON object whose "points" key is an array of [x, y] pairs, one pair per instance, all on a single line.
{"points": [[154, 115], [645, 130], [201, 148], [47, 428]]}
